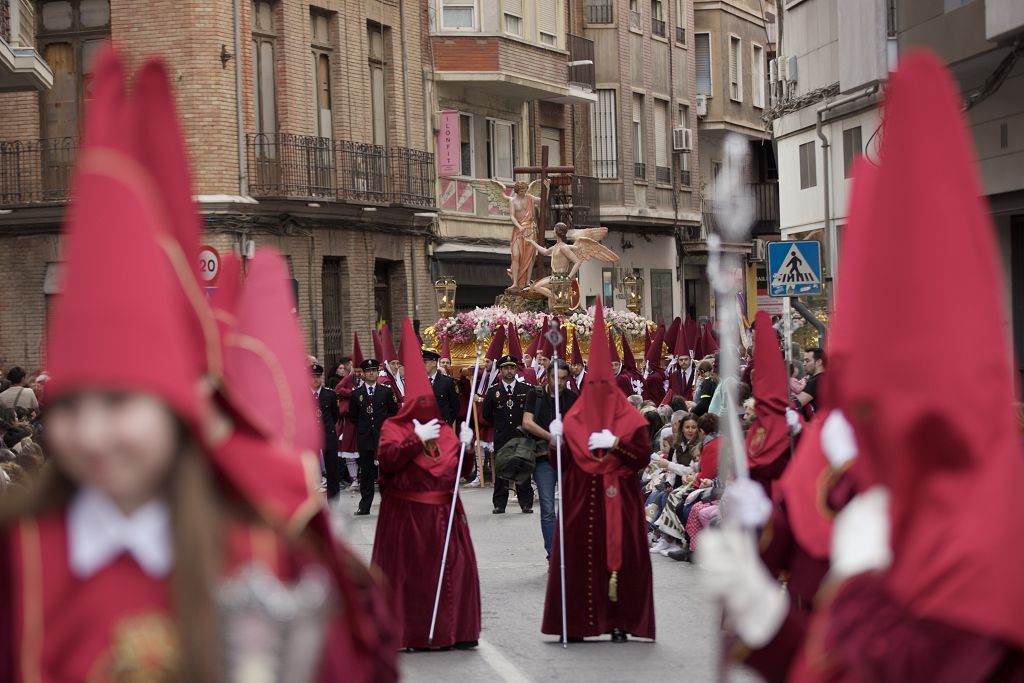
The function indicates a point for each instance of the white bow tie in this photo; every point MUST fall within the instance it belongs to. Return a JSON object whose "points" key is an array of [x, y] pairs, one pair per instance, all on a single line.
{"points": [[98, 533]]}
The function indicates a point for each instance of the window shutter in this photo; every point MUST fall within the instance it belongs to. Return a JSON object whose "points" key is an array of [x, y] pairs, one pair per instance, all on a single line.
{"points": [[547, 16], [702, 42], [733, 60], [513, 7], [661, 134], [603, 135]]}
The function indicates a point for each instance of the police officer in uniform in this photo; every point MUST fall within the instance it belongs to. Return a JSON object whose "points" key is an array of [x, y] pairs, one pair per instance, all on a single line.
{"points": [[369, 406], [503, 407], [328, 413], [445, 391]]}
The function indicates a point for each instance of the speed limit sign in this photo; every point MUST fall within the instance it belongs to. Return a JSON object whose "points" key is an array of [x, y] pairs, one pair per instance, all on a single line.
{"points": [[209, 266]]}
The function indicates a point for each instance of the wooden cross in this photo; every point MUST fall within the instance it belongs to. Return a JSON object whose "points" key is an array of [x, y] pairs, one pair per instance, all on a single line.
{"points": [[565, 177]]}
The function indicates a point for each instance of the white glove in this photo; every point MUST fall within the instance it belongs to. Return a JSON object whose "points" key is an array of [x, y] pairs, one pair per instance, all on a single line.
{"points": [[746, 503], [466, 434], [837, 439], [427, 432], [860, 535], [603, 440], [556, 428], [754, 602], [793, 420]]}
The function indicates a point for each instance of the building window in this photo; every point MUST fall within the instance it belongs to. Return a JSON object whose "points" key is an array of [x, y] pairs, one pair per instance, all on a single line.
{"points": [[513, 17], [639, 167], [662, 143], [757, 75], [657, 18], [607, 289], [684, 158], [735, 69], [264, 40], [603, 135], [322, 54], [808, 176], [852, 148], [69, 36], [332, 294], [548, 12], [466, 144], [600, 11], [458, 15], [551, 139], [661, 296], [635, 22], [681, 22], [501, 140], [702, 45], [378, 101]]}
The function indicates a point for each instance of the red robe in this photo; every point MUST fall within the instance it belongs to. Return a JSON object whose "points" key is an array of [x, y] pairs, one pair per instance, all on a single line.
{"points": [[416, 495], [654, 386], [67, 630], [590, 612], [625, 380], [346, 427]]}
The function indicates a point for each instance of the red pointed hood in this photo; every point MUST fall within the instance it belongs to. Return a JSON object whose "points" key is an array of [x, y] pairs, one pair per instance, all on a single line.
{"points": [[653, 356], [628, 361], [691, 330], [419, 402], [515, 347], [672, 335], [496, 349], [953, 561], [602, 405], [681, 346], [647, 340], [577, 357], [710, 340], [387, 344], [378, 348], [105, 329], [357, 351], [613, 350], [768, 436], [446, 351]]}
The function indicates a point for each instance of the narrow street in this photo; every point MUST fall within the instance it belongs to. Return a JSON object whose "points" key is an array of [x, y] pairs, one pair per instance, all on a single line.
{"points": [[513, 572]]}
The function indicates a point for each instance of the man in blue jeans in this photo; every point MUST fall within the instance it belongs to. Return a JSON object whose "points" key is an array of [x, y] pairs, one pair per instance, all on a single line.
{"points": [[541, 422]]}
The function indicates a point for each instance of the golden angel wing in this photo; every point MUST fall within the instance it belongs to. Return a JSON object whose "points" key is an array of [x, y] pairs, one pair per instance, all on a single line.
{"points": [[496, 191], [596, 234], [534, 188], [587, 249]]}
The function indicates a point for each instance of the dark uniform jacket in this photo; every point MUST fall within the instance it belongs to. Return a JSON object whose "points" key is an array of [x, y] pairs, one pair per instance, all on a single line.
{"points": [[505, 411], [328, 413], [447, 398], [369, 414]]}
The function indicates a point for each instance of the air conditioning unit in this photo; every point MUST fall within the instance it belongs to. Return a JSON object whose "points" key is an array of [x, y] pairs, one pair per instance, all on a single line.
{"points": [[791, 69], [700, 104], [682, 139], [759, 250], [773, 70]]}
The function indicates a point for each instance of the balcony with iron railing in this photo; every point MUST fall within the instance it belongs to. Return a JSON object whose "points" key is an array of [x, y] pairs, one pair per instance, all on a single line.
{"points": [[575, 202], [599, 12], [635, 20], [21, 66], [658, 27], [35, 171], [681, 35], [766, 209], [284, 166], [581, 62]]}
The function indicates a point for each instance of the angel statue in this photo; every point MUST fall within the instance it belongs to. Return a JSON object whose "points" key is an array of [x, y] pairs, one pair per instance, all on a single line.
{"points": [[567, 257], [522, 209]]}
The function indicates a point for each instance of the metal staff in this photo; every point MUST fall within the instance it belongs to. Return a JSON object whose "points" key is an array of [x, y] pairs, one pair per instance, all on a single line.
{"points": [[481, 333], [555, 337]]}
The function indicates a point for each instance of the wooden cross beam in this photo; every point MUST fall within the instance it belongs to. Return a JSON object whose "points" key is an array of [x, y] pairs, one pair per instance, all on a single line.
{"points": [[543, 170]]}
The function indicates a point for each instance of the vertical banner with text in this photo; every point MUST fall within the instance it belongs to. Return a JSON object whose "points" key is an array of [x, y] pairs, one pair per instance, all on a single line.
{"points": [[449, 152]]}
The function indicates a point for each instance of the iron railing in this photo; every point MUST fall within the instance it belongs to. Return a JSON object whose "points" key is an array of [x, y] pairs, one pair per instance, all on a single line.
{"points": [[36, 171], [658, 27], [681, 35], [663, 175], [581, 50], [599, 12], [639, 171], [5, 20], [766, 209], [635, 20], [684, 178], [576, 203], [285, 165]]}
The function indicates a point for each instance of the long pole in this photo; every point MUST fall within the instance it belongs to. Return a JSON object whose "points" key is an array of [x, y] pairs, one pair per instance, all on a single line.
{"points": [[451, 512], [554, 335]]}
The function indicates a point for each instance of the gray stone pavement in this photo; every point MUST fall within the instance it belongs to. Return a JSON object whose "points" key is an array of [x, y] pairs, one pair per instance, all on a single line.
{"points": [[510, 554]]}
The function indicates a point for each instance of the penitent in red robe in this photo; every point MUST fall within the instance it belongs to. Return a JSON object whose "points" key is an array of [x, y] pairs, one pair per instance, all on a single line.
{"points": [[416, 492], [590, 611]]}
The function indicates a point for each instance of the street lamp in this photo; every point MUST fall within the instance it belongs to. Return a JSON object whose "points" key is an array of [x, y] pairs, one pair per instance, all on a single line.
{"points": [[444, 291], [633, 287], [561, 292]]}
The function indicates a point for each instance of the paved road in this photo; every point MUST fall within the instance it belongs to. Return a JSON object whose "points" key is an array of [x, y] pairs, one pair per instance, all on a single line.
{"points": [[513, 574]]}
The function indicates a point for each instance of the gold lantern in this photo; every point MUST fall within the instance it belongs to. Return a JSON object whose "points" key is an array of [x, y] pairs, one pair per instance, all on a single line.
{"points": [[633, 289], [561, 292], [444, 291]]}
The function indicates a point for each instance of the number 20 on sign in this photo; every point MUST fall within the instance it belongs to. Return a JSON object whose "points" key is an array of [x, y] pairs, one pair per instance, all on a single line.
{"points": [[209, 266]]}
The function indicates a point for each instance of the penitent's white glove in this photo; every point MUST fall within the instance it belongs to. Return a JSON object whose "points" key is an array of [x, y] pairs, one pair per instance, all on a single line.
{"points": [[793, 420], [555, 428], [427, 432], [837, 439], [603, 440], [732, 572], [466, 434], [860, 535], [746, 503]]}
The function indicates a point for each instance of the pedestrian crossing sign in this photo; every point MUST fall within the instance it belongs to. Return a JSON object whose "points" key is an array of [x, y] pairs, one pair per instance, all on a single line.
{"points": [[794, 268]]}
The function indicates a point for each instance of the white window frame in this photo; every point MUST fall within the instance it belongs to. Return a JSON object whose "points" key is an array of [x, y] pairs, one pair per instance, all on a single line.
{"points": [[757, 75], [547, 37], [491, 157], [472, 145], [711, 63], [639, 129], [472, 4], [506, 13], [738, 54]]}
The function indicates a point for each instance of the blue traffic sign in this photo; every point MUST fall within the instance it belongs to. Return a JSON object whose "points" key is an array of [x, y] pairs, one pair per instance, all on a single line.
{"points": [[794, 268]]}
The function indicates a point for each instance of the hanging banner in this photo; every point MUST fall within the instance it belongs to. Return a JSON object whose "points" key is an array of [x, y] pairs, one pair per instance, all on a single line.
{"points": [[449, 149]]}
